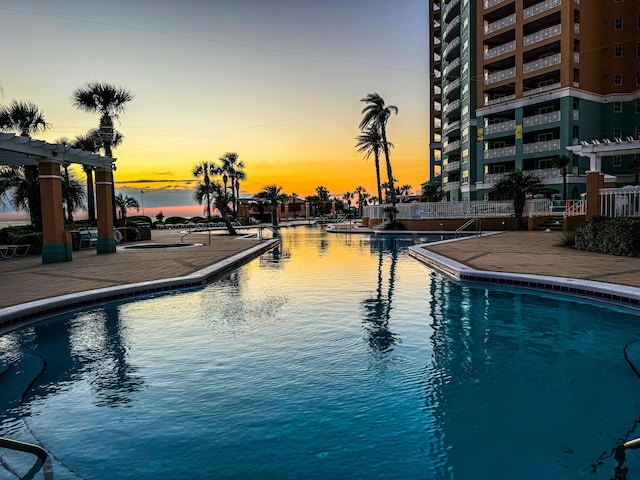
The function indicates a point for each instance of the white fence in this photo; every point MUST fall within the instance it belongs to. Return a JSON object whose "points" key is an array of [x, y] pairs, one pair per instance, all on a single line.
{"points": [[620, 202]]}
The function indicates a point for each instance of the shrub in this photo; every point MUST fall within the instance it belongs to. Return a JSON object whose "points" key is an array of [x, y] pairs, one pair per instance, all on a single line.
{"points": [[614, 236], [22, 235], [174, 220]]}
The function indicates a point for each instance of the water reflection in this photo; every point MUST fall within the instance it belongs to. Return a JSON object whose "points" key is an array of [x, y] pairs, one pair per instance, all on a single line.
{"points": [[377, 309]]}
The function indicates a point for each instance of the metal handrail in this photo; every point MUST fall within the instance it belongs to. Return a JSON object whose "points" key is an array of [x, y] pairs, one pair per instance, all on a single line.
{"points": [[25, 447], [478, 223]]}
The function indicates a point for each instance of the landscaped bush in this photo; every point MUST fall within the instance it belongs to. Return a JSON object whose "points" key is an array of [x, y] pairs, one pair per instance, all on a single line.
{"points": [[614, 236], [174, 220], [133, 234], [22, 235], [136, 219]]}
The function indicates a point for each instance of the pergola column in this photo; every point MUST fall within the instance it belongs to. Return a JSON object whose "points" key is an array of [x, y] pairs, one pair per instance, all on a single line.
{"points": [[104, 206], [286, 210], [595, 181], [307, 210], [56, 242]]}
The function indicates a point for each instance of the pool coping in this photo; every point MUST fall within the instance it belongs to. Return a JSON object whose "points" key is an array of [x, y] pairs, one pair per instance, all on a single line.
{"points": [[17, 316], [611, 293]]}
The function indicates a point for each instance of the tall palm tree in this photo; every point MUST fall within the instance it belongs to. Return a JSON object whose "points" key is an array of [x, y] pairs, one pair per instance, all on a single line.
{"points": [[124, 203], [323, 197], [26, 118], [294, 195], [274, 195], [516, 185], [90, 142], [73, 193], [346, 198], [204, 191], [107, 100], [432, 192], [376, 114], [370, 142], [363, 195], [232, 169]]}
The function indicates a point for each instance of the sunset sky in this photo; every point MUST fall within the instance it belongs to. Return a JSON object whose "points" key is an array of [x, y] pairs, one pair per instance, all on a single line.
{"points": [[277, 81]]}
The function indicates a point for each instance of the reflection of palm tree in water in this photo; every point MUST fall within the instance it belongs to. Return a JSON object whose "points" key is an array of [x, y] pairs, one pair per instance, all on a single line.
{"points": [[378, 308]]}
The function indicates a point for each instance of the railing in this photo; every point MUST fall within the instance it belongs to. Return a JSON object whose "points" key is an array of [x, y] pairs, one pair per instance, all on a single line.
{"points": [[451, 66], [451, 106], [468, 223], [500, 152], [540, 7], [544, 88], [574, 208], [491, 3], [537, 206], [541, 35], [546, 146], [451, 126], [452, 166], [499, 76], [431, 210], [452, 24], [451, 86], [500, 50], [620, 202], [541, 63], [36, 450], [541, 119], [447, 187], [505, 98], [451, 45], [499, 24], [451, 146], [500, 127]]}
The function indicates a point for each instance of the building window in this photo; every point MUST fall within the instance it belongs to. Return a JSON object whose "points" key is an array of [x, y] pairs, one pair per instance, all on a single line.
{"points": [[544, 137], [617, 79], [617, 51], [618, 24], [576, 75], [545, 163], [617, 133], [637, 105], [617, 160], [576, 131], [617, 107]]}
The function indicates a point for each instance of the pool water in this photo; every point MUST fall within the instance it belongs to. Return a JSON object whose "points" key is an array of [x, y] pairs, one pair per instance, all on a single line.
{"points": [[337, 357]]}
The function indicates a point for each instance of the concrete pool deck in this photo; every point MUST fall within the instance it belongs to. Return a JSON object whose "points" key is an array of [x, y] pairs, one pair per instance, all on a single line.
{"points": [[29, 287]]}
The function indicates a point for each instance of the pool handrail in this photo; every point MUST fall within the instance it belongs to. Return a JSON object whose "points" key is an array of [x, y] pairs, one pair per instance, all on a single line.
{"points": [[25, 447]]}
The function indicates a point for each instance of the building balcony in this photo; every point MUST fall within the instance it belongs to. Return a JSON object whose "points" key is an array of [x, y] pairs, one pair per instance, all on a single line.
{"points": [[542, 35], [500, 24], [452, 45], [452, 166], [455, 85], [542, 119], [494, 101], [499, 76], [451, 66], [499, 50], [449, 7], [492, 3], [451, 127], [542, 63], [537, 147], [447, 187], [507, 126], [500, 152], [546, 173], [539, 8], [544, 88], [451, 106], [455, 23], [449, 147]]}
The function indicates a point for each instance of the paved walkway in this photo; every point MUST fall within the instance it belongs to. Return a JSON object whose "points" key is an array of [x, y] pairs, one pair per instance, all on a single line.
{"points": [[539, 253], [26, 279]]}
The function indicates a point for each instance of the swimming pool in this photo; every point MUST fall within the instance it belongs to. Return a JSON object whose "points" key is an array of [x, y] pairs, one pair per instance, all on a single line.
{"points": [[339, 356]]}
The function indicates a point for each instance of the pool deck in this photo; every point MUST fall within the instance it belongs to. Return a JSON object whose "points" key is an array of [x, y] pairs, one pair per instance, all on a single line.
{"points": [[29, 288]]}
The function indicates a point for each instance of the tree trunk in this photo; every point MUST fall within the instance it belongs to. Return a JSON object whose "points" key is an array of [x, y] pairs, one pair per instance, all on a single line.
{"points": [[389, 172], [91, 202]]}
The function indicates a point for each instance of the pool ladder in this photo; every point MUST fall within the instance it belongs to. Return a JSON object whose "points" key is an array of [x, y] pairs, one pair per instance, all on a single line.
{"points": [[476, 221], [36, 450]]}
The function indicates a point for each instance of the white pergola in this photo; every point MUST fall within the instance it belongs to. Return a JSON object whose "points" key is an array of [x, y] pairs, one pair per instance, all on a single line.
{"points": [[17, 150], [597, 149]]}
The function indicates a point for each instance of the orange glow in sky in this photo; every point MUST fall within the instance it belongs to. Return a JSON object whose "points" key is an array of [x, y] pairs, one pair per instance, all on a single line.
{"points": [[279, 82]]}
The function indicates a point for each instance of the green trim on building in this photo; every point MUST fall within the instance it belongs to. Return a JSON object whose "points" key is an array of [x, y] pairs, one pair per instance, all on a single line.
{"points": [[106, 245]]}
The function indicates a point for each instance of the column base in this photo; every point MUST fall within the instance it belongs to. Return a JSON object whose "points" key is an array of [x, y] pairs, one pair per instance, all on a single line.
{"points": [[106, 245], [56, 252]]}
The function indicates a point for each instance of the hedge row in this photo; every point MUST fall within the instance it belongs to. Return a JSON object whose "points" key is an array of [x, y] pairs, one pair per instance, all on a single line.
{"points": [[614, 236]]}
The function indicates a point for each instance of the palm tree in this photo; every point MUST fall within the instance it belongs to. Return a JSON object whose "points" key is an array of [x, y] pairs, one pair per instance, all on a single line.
{"points": [[274, 195], [323, 197], [125, 203], [347, 198], [204, 191], [516, 185], [363, 195], [90, 142], [432, 192], [376, 114], [294, 196], [25, 118], [107, 100], [370, 142], [233, 169], [73, 193], [561, 162]]}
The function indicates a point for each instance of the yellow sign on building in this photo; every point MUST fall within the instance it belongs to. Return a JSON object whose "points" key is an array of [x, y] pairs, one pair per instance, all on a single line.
{"points": [[518, 132], [480, 134]]}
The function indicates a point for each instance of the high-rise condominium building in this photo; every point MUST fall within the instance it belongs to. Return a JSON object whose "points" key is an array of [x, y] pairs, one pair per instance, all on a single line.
{"points": [[514, 82]]}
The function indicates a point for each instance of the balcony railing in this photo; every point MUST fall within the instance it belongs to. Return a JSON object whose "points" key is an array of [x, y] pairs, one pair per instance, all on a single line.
{"points": [[546, 146], [452, 166], [499, 76], [447, 187], [541, 63], [450, 147], [500, 50], [451, 45], [500, 24], [541, 119], [491, 3], [500, 127], [576, 57], [546, 173], [542, 35], [453, 24], [451, 66], [449, 6], [544, 88], [451, 106], [451, 86], [500, 152], [505, 98], [451, 127], [540, 7]]}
